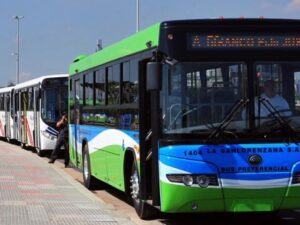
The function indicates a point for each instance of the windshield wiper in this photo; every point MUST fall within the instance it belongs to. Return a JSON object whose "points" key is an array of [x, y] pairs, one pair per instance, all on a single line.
{"points": [[181, 114], [275, 114], [227, 120]]}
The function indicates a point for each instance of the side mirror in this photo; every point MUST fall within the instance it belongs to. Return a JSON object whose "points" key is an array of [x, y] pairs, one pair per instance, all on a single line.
{"points": [[154, 73]]}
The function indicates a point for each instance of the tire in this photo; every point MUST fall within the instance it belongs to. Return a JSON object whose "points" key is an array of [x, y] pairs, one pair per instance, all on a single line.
{"points": [[143, 210], [40, 153], [23, 146], [89, 181]]}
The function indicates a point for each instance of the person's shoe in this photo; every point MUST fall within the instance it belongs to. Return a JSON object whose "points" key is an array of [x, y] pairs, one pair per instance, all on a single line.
{"points": [[51, 161]]}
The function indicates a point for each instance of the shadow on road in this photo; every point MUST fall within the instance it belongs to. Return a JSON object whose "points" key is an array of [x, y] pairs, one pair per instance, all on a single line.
{"points": [[282, 218]]}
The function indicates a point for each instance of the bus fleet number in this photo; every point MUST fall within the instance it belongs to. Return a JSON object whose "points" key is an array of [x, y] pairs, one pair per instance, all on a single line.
{"points": [[192, 153]]}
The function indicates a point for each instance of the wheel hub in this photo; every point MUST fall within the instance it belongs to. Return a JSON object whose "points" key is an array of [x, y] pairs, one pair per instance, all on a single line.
{"points": [[135, 189], [85, 168]]}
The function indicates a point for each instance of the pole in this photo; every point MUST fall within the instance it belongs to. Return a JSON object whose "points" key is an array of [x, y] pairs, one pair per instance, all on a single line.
{"points": [[18, 18], [99, 45], [137, 15]]}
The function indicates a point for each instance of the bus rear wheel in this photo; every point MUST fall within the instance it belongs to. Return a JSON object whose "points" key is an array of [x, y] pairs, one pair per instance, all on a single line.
{"points": [[89, 181], [39, 152], [143, 210]]}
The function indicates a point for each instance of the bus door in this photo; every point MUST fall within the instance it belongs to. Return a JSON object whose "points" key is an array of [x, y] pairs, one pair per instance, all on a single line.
{"points": [[76, 121], [18, 119], [36, 116], [14, 115], [24, 121], [7, 115]]}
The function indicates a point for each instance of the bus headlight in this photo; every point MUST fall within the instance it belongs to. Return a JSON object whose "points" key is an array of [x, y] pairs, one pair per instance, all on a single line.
{"points": [[188, 180], [203, 181], [48, 135]]}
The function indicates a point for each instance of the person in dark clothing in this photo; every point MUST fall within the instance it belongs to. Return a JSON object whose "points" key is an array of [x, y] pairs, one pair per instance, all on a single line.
{"points": [[62, 140]]}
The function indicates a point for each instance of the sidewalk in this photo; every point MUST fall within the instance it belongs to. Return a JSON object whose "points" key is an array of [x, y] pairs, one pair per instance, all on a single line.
{"points": [[35, 193]]}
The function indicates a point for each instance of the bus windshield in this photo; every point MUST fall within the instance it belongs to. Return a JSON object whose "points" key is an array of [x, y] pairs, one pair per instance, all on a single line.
{"points": [[196, 97], [54, 101], [208, 97]]}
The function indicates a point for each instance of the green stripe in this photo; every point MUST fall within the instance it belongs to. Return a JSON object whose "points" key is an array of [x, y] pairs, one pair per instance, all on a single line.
{"points": [[182, 199], [131, 45], [178, 198]]}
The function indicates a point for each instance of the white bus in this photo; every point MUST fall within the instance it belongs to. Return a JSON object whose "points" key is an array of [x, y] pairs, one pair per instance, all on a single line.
{"points": [[37, 106], [6, 119]]}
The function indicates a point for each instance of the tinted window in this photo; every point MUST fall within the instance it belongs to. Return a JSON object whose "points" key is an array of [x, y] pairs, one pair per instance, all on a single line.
{"points": [[130, 83], [1, 102], [88, 89], [113, 84], [81, 91], [99, 77], [30, 99]]}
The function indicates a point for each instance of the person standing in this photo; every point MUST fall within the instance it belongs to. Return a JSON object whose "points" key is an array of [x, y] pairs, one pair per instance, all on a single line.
{"points": [[277, 102], [62, 140]]}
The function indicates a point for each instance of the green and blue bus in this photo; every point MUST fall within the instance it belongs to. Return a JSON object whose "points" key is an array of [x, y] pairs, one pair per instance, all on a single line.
{"points": [[172, 116]]}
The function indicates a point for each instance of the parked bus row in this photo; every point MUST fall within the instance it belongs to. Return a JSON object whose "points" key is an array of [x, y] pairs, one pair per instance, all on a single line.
{"points": [[29, 111], [186, 116]]}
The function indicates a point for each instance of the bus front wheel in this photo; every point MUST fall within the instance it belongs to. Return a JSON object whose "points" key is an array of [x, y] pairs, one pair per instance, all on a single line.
{"points": [[143, 210]]}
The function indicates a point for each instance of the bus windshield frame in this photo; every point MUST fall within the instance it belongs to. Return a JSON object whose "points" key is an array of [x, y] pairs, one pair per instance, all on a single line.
{"points": [[54, 99]]}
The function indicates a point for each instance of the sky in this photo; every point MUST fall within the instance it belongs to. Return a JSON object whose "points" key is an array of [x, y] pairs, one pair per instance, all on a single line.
{"points": [[54, 32]]}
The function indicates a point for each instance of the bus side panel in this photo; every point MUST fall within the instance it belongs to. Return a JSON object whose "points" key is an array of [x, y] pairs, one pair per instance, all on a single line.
{"points": [[2, 123], [12, 127], [107, 149], [28, 124]]}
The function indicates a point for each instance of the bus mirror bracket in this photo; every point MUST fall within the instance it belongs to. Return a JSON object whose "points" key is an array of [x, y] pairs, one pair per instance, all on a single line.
{"points": [[154, 81]]}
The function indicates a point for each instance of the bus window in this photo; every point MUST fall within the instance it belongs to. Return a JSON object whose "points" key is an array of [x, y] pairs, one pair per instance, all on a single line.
{"points": [[99, 86], [269, 71], [53, 99], [276, 89], [30, 99], [197, 95], [129, 84], [113, 84], [1, 102], [88, 89], [297, 90]]}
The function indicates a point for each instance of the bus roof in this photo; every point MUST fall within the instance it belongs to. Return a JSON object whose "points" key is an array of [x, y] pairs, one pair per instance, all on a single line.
{"points": [[6, 89], [231, 21], [138, 42], [133, 44], [38, 80]]}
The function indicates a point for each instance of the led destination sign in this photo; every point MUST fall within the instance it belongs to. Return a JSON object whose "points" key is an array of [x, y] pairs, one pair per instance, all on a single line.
{"points": [[213, 41]]}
